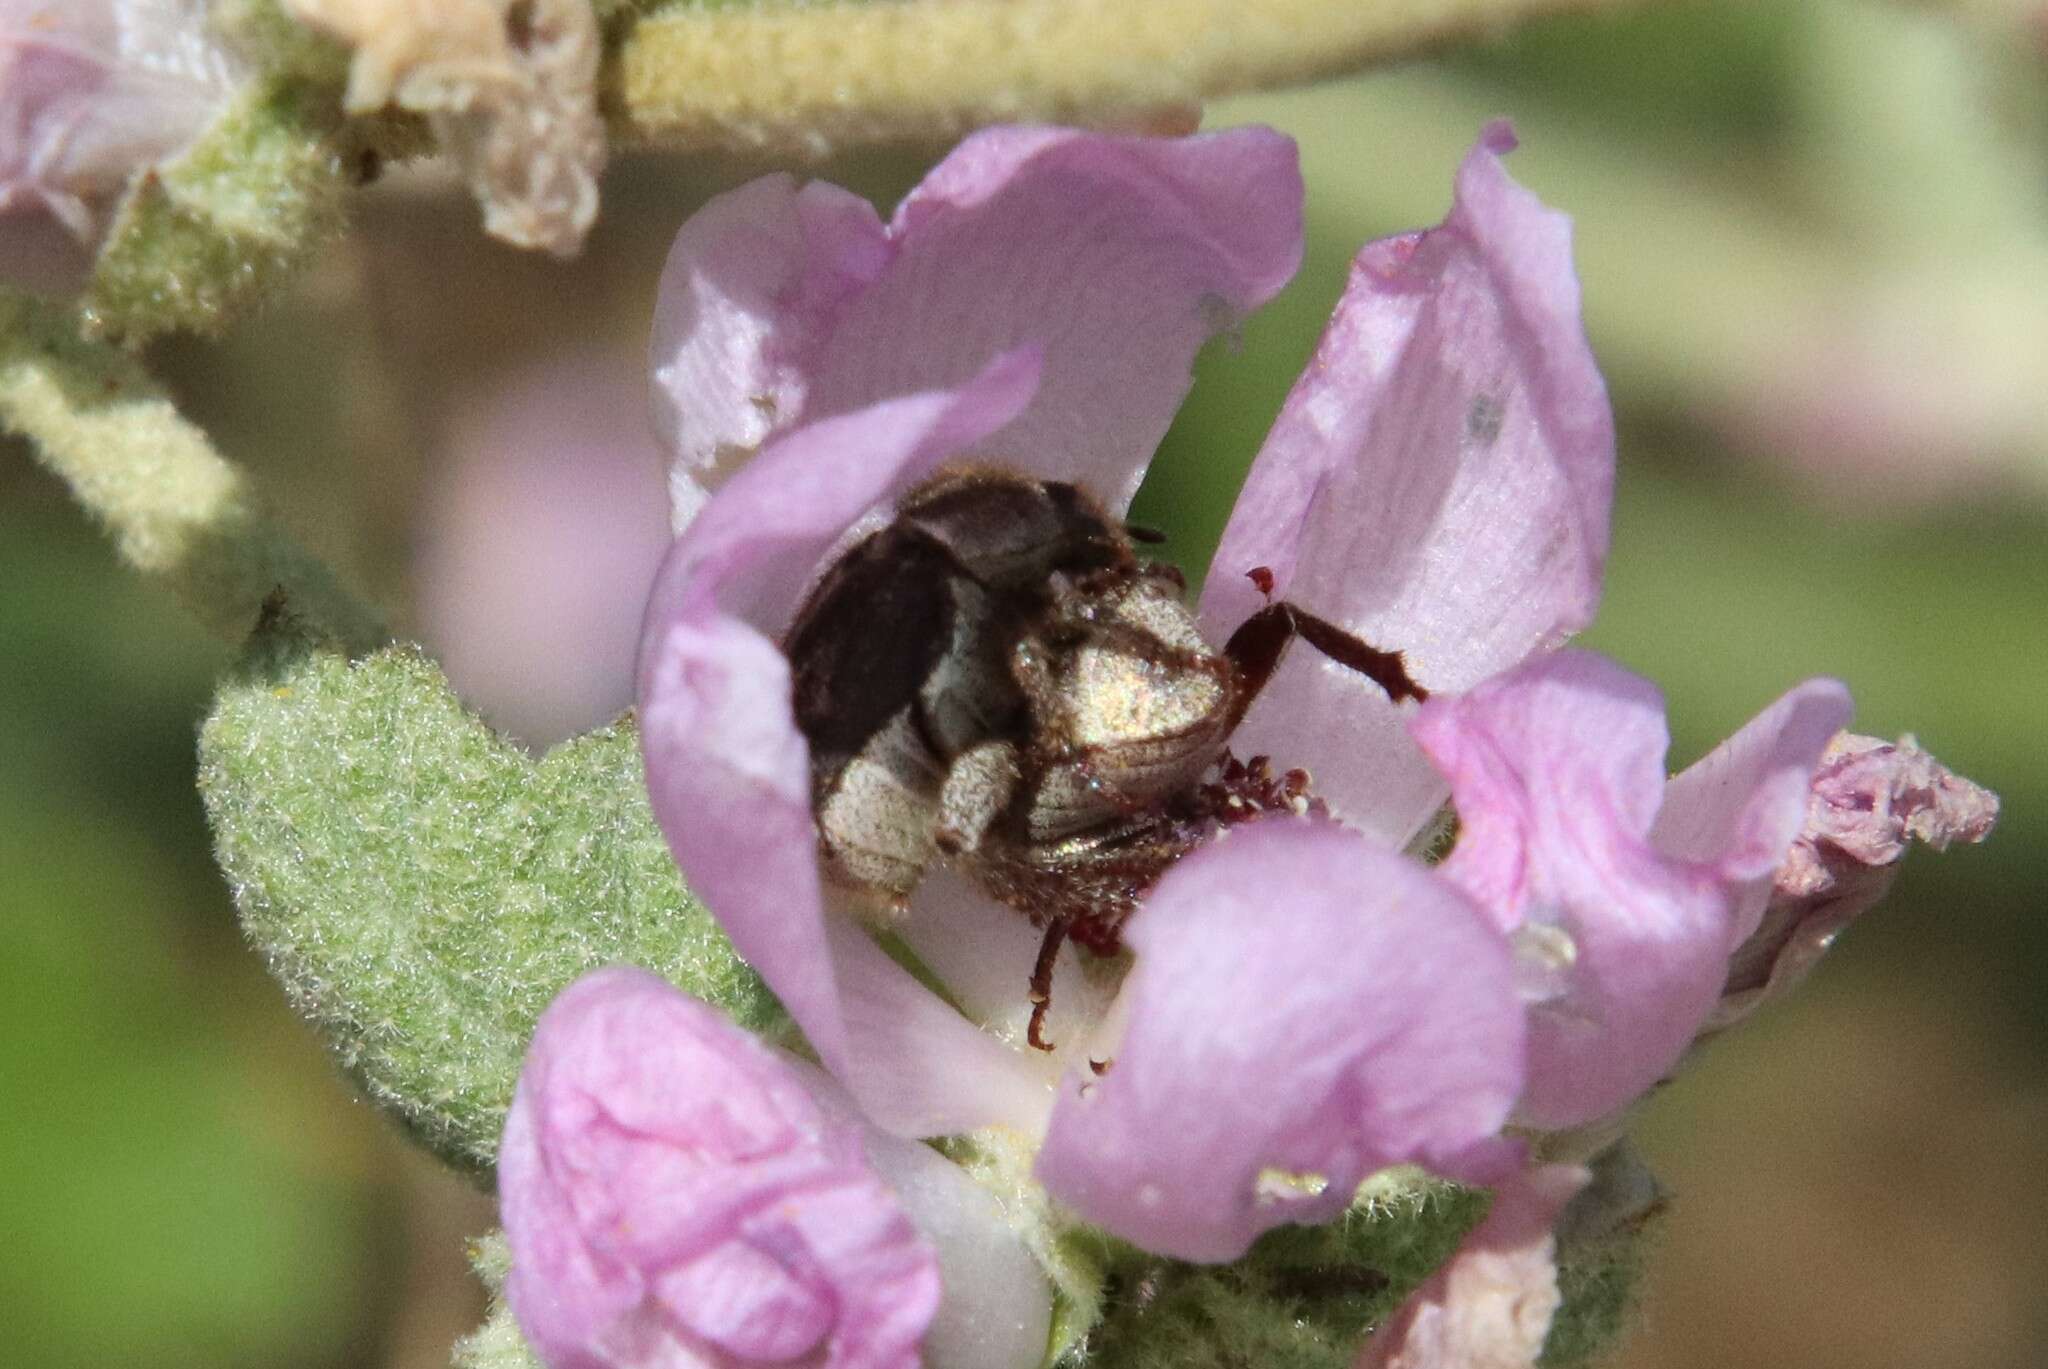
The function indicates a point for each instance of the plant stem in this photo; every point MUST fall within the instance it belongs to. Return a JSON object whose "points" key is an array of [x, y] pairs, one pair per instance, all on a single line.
{"points": [[808, 78], [178, 511]]}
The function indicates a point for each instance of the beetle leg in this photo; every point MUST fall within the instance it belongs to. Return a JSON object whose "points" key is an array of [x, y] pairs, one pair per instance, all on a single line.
{"points": [[875, 812], [977, 788], [1041, 982], [1261, 640]]}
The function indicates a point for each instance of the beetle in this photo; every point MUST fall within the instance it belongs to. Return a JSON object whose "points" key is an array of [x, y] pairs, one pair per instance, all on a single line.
{"points": [[996, 680]]}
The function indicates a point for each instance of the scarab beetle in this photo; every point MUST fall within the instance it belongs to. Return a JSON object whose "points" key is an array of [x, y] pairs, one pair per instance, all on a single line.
{"points": [[996, 680]]}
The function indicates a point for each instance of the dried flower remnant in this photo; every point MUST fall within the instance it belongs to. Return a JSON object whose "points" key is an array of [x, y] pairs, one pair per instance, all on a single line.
{"points": [[1870, 801], [510, 89], [91, 93]]}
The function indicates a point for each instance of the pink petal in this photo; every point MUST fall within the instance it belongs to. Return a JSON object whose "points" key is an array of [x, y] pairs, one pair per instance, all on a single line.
{"points": [[1438, 482], [754, 284], [1557, 769], [1869, 801], [1743, 802], [1118, 257], [729, 774], [1739, 806], [997, 1312], [672, 1194], [917, 1066], [1303, 1003], [757, 549], [1561, 758], [1490, 1305]]}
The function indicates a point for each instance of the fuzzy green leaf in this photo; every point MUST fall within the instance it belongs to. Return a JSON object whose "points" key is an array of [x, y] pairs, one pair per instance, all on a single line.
{"points": [[422, 888]]}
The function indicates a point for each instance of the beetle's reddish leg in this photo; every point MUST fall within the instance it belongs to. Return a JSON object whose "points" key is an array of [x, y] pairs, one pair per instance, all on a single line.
{"points": [[1262, 639], [1387, 669], [1041, 982]]}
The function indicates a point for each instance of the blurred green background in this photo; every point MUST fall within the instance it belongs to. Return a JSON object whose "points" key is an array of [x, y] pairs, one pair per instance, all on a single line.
{"points": [[1814, 241]]}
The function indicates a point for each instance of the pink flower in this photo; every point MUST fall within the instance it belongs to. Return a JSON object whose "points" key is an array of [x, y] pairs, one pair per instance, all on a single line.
{"points": [[677, 1193], [1307, 1005], [91, 91]]}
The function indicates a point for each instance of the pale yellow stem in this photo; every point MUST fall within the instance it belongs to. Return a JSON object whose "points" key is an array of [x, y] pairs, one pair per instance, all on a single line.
{"points": [[808, 78], [177, 510]]}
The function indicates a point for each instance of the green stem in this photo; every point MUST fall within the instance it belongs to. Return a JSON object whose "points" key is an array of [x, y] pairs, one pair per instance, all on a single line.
{"points": [[177, 510]]}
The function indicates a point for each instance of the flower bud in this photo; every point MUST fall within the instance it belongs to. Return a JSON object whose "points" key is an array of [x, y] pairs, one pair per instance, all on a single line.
{"points": [[673, 1194]]}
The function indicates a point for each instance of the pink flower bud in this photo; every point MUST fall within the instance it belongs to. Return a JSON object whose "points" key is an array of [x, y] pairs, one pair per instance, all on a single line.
{"points": [[673, 1194]]}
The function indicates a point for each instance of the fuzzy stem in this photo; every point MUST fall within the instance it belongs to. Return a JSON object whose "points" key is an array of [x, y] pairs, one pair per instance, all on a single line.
{"points": [[810, 77], [177, 510]]}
